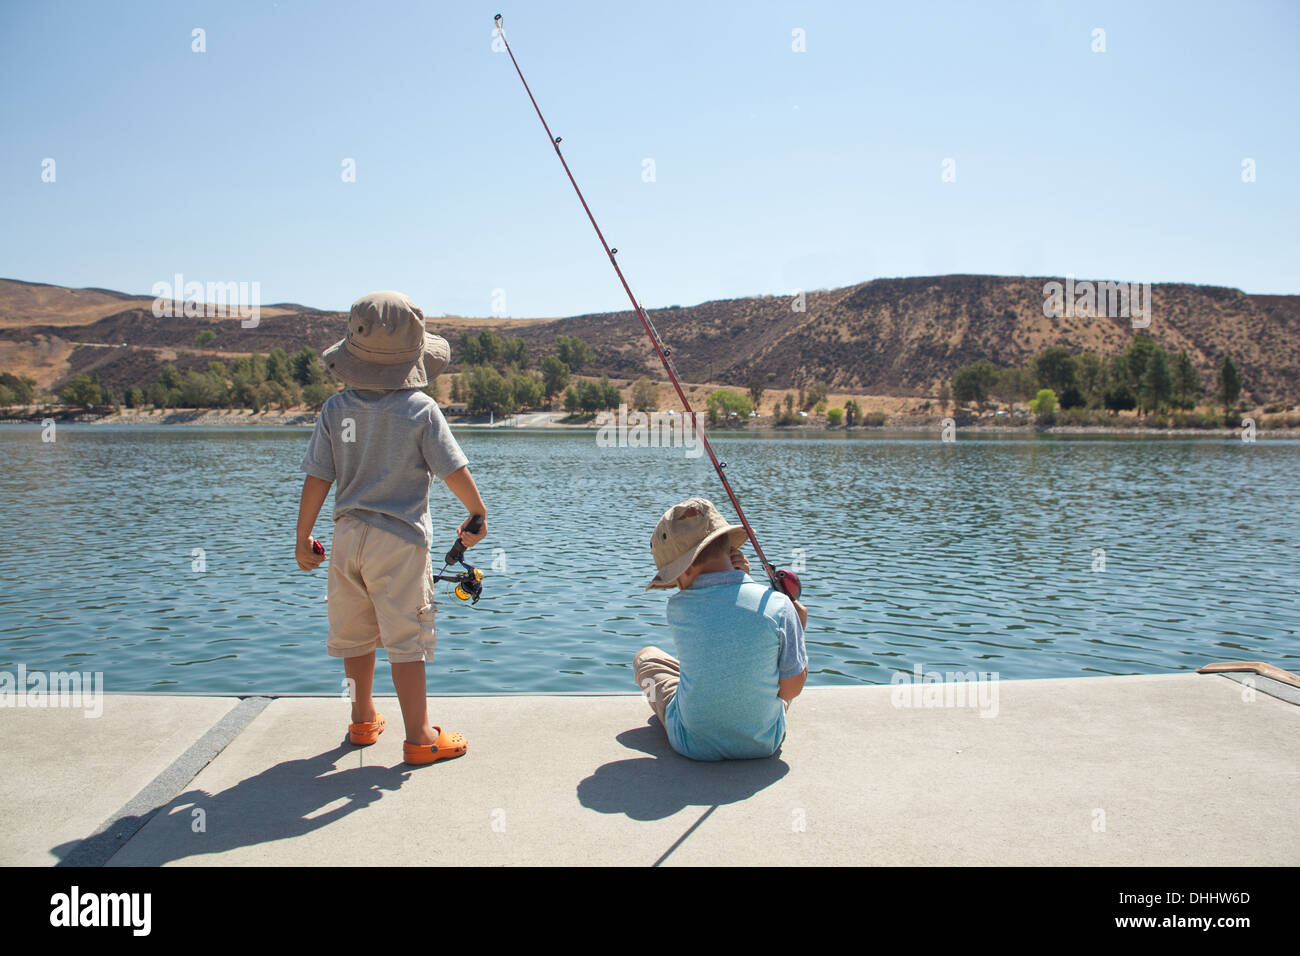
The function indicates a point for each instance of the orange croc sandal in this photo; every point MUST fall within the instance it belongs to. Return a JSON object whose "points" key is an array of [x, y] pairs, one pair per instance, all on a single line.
{"points": [[447, 746], [369, 732]]}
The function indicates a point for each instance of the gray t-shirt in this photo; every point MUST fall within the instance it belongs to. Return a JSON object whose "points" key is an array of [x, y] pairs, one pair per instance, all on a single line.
{"points": [[383, 448]]}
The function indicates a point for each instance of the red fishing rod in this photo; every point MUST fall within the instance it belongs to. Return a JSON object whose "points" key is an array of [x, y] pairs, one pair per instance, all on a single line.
{"points": [[787, 582]]}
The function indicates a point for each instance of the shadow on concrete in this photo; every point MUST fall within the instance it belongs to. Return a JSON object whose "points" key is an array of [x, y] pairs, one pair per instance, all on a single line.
{"points": [[283, 801], [665, 782]]}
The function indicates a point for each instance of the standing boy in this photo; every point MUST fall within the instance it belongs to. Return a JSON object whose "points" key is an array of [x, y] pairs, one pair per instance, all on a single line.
{"points": [[740, 647], [383, 441]]}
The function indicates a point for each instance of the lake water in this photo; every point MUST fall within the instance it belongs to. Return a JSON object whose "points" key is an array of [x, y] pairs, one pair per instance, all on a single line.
{"points": [[978, 554]]}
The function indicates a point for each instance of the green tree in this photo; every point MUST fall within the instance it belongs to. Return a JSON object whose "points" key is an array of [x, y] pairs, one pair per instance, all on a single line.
{"points": [[202, 391], [22, 387], [514, 351], [1044, 403], [1090, 375], [723, 402], [834, 416], [468, 352], [756, 392], [204, 337], [170, 377], [457, 390], [7, 396], [1055, 368], [574, 352], [610, 394], [160, 396], [555, 376], [1229, 383], [591, 397], [488, 391], [489, 346], [1187, 382], [1157, 383], [526, 390], [1136, 358], [815, 395], [80, 390], [645, 395], [852, 412], [307, 367], [973, 382], [572, 402], [133, 397], [277, 368], [316, 394]]}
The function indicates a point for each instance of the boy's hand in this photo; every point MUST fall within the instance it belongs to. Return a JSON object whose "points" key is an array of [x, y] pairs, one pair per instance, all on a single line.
{"points": [[309, 558], [803, 614], [739, 561], [471, 538]]}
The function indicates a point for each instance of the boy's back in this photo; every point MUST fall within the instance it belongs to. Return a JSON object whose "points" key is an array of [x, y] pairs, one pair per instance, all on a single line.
{"points": [[383, 449], [735, 640]]}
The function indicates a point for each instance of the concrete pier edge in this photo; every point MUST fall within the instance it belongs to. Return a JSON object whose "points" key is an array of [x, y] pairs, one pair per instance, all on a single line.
{"points": [[109, 839]]}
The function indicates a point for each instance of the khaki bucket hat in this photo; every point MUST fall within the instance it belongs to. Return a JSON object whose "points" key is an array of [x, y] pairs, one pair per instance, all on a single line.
{"points": [[682, 533], [387, 346]]}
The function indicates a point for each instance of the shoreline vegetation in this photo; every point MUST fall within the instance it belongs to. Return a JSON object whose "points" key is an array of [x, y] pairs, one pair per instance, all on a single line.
{"points": [[1141, 390]]}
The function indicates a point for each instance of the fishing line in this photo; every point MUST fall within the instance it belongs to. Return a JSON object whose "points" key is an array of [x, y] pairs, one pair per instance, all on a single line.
{"points": [[784, 581]]}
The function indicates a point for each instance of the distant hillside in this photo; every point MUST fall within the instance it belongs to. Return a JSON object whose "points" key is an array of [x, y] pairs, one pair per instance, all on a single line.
{"points": [[884, 337]]}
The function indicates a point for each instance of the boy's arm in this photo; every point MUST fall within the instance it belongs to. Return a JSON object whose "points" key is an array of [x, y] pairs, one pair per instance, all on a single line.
{"points": [[461, 483], [792, 687], [793, 652], [314, 492]]}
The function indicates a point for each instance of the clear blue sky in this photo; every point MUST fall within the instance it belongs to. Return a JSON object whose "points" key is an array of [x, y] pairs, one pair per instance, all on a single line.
{"points": [[775, 170]]}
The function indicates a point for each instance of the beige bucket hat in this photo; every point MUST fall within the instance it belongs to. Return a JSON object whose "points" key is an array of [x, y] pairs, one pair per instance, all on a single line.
{"points": [[386, 344], [682, 533]]}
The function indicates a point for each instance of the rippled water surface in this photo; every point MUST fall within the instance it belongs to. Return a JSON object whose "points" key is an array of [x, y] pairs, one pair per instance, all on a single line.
{"points": [[972, 555]]}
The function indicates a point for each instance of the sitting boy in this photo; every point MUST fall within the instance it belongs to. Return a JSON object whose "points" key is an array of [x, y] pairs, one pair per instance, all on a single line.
{"points": [[740, 646]]}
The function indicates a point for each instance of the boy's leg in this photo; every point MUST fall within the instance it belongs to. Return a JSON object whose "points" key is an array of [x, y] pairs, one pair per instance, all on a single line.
{"points": [[657, 673], [400, 581], [408, 679], [360, 672], [354, 628]]}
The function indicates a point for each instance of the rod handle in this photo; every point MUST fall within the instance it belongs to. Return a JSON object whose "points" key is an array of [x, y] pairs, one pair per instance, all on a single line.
{"points": [[458, 549]]}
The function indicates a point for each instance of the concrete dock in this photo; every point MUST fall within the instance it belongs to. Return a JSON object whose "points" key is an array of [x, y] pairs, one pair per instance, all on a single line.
{"points": [[1153, 770]]}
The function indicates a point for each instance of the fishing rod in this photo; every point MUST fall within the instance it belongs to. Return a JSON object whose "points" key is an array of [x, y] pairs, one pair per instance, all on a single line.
{"points": [[787, 582]]}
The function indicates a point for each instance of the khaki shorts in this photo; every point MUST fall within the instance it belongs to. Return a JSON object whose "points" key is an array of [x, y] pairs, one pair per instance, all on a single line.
{"points": [[657, 673], [380, 594]]}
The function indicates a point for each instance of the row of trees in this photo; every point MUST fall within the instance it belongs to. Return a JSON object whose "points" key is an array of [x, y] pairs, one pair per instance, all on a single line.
{"points": [[1142, 377], [495, 377], [249, 381]]}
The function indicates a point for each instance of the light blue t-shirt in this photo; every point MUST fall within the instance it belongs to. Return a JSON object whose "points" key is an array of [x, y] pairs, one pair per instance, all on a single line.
{"points": [[735, 639], [383, 448]]}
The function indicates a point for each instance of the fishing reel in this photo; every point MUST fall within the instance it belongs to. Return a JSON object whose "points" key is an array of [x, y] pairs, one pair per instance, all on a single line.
{"points": [[469, 583]]}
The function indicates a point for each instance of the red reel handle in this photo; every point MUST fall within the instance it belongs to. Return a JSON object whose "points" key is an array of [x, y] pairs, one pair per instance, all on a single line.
{"points": [[790, 584], [317, 547]]}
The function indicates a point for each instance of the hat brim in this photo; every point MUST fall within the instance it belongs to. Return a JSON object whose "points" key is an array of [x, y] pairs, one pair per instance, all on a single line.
{"points": [[352, 371], [668, 575]]}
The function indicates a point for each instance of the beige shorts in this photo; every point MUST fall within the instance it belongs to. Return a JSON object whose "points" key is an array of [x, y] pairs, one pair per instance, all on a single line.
{"points": [[380, 594], [657, 674]]}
